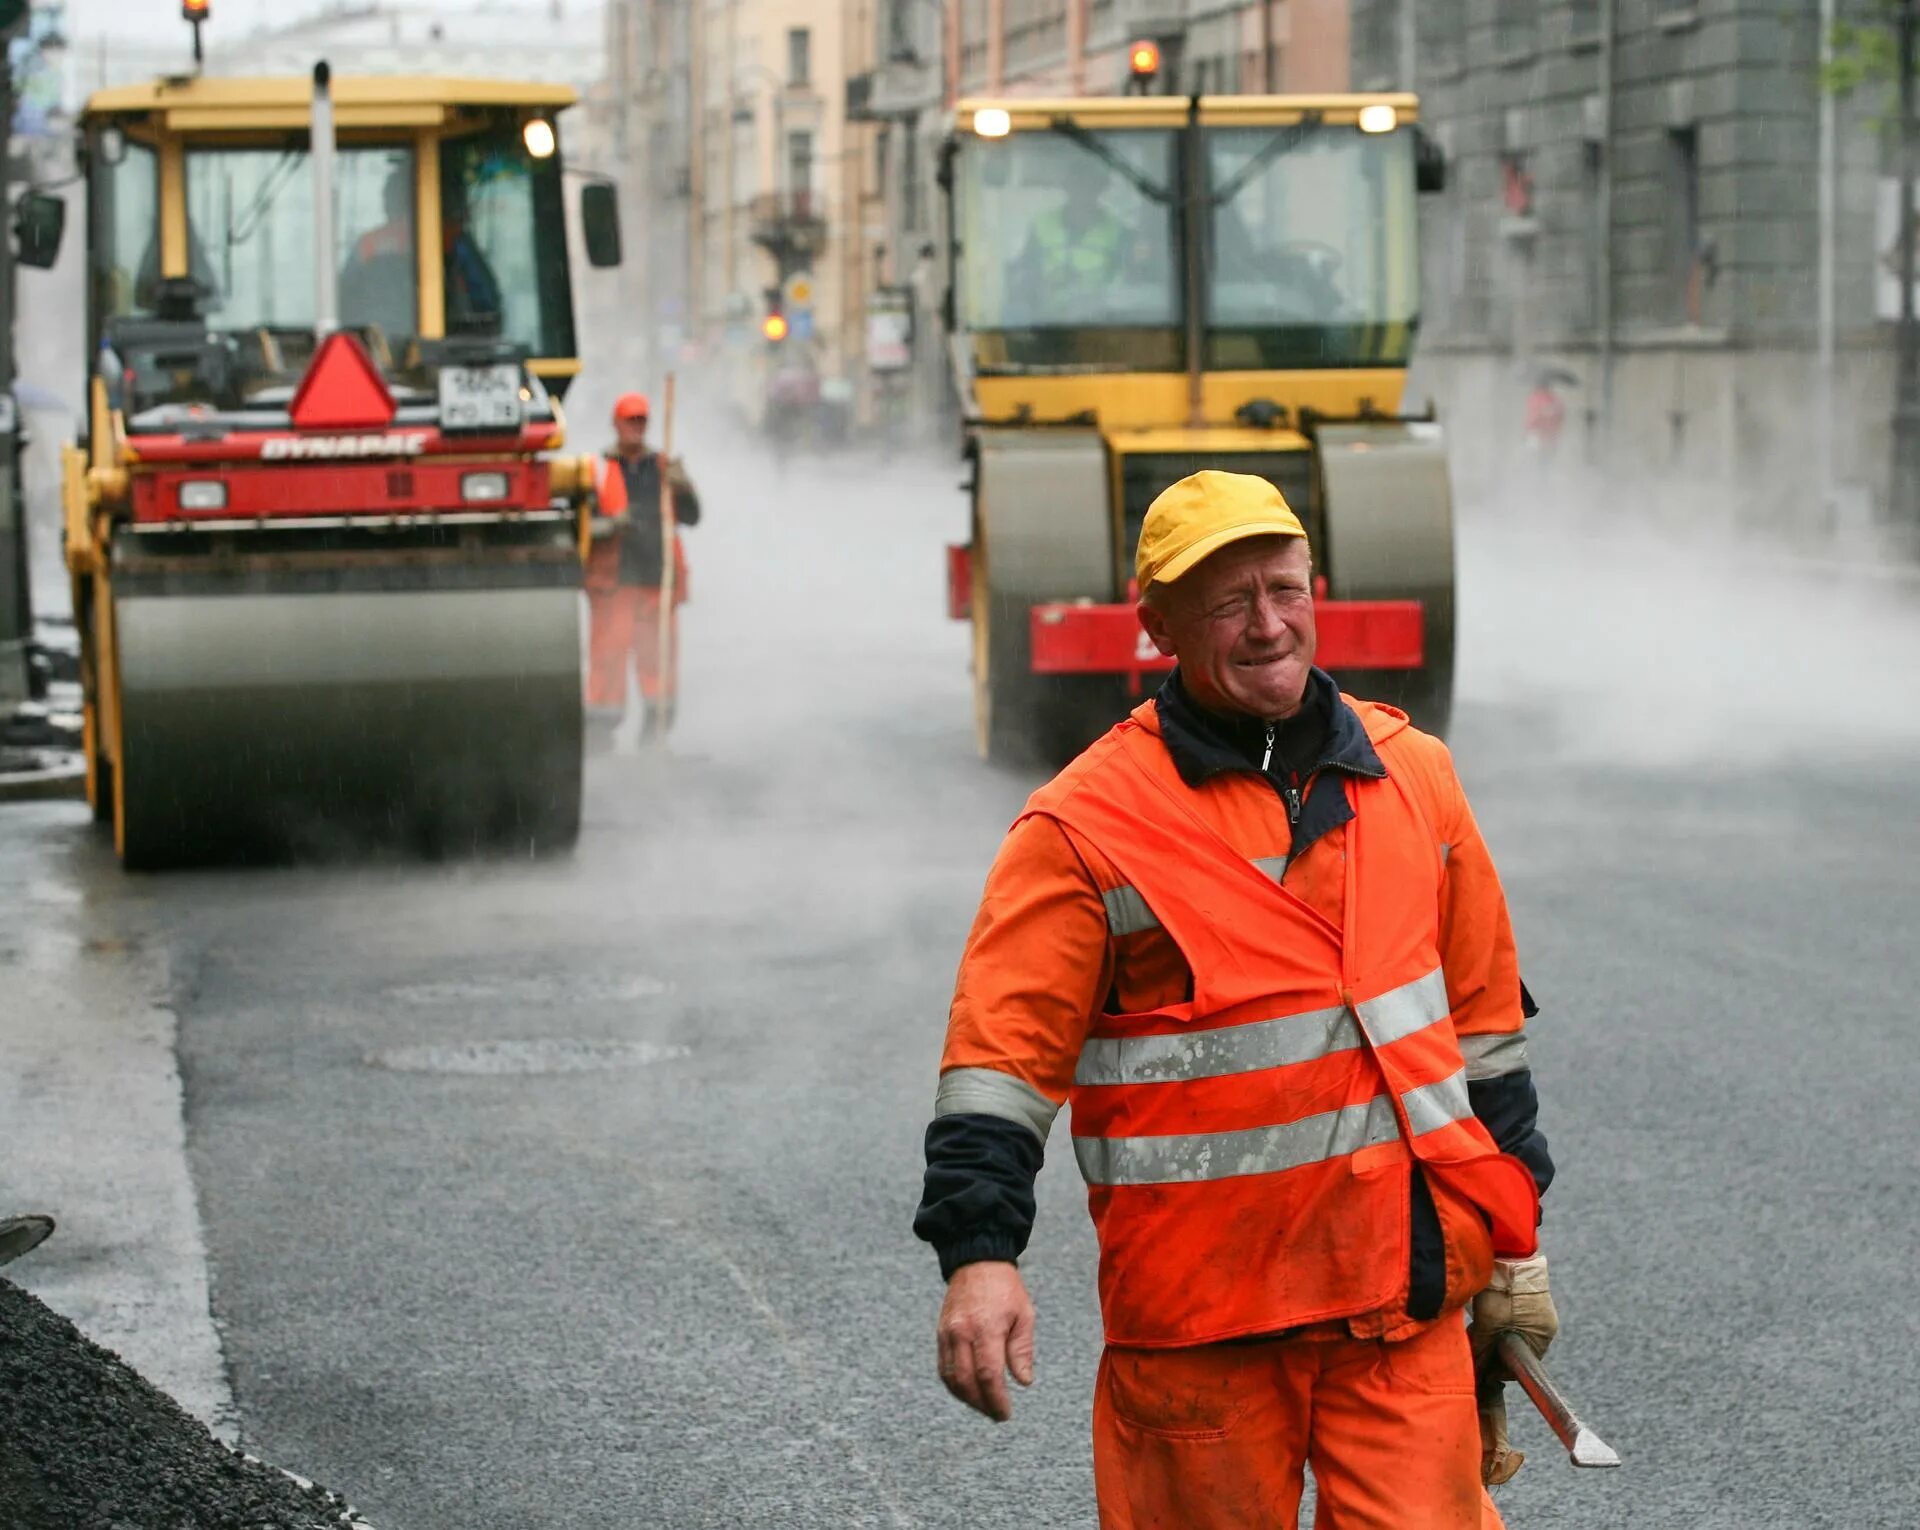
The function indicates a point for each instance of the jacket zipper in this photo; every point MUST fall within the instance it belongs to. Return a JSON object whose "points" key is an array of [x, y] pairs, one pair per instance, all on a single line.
{"points": [[1292, 790]]}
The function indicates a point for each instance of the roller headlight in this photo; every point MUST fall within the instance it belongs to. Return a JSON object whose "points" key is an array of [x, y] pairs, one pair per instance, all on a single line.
{"points": [[484, 488], [203, 494]]}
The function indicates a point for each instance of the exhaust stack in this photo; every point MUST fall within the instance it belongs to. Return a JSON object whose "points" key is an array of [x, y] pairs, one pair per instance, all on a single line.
{"points": [[326, 302]]}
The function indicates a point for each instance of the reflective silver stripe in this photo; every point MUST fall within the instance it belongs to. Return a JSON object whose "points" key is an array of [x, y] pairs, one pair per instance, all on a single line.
{"points": [[1402, 1011], [982, 1092], [1227, 1155], [1217, 1053], [1433, 1106], [1127, 912], [1496, 1055]]}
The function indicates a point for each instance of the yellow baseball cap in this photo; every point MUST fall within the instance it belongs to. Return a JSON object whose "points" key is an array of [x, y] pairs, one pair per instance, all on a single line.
{"points": [[1201, 514]]}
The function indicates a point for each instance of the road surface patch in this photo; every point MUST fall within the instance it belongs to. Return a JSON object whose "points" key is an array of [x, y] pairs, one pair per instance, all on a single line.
{"points": [[536, 1056], [531, 990]]}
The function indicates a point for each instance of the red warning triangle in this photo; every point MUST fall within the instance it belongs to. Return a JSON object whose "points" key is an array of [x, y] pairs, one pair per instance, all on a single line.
{"points": [[342, 390]]}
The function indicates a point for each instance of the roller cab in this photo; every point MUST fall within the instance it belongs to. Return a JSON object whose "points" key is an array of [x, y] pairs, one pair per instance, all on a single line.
{"points": [[1143, 287], [325, 549]]}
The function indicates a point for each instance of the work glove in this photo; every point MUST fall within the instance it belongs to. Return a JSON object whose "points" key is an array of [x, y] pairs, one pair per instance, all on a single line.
{"points": [[1516, 1300]]}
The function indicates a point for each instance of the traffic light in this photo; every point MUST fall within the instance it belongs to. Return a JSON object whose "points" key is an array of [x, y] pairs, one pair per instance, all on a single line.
{"points": [[196, 10], [1143, 65], [773, 325]]}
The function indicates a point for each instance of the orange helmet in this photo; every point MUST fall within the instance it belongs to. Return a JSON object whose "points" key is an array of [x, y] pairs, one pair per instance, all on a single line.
{"points": [[631, 406]]}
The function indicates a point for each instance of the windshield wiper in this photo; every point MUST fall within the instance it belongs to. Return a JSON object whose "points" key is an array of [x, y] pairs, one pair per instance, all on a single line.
{"points": [[243, 226], [1067, 128], [1285, 141]]}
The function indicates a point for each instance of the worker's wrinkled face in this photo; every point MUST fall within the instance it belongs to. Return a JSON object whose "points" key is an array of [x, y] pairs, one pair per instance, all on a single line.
{"points": [[631, 433], [1240, 622]]}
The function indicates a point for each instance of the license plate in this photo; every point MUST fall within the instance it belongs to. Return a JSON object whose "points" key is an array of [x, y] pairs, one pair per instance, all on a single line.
{"points": [[480, 398]]}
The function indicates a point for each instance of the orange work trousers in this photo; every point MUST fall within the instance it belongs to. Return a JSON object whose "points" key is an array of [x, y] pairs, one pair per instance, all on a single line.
{"points": [[624, 627], [1217, 1437]]}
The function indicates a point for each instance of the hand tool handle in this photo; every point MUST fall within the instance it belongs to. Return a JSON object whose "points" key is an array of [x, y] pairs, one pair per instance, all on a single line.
{"points": [[1538, 1385], [1584, 1447]]}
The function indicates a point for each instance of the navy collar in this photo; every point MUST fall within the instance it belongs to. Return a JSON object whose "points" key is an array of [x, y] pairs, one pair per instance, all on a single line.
{"points": [[1324, 735]]}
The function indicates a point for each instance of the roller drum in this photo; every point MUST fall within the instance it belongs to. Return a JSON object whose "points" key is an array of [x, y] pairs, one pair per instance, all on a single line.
{"points": [[277, 709], [1042, 532], [1388, 516]]}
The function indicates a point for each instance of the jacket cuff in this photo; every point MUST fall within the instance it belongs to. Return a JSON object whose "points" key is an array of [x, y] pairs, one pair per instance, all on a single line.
{"points": [[979, 1248]]}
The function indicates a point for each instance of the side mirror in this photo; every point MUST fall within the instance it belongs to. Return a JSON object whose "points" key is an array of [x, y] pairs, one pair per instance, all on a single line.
{"points": [[39, 222], [1429, 162], [600, 221]]}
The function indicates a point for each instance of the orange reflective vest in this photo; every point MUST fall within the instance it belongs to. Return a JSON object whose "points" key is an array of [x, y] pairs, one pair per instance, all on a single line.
{"points": [[603, 561], [1248, 1152]]}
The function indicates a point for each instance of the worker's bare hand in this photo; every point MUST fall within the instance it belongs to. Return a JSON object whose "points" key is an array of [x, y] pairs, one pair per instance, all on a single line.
{"points": [[985, 1331]]}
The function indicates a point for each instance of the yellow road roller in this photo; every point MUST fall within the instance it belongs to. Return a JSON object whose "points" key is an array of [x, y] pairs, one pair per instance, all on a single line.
{"points": [[1145, 286], [325, 554]]}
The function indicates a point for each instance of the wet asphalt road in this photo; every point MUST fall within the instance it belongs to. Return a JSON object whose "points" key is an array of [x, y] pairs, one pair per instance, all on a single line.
{"points": [[683, 1292]]}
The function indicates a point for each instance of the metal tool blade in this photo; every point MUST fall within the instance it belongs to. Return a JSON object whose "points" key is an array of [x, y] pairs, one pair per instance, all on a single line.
{"points": [[22, 1235], [1584, 1447]]}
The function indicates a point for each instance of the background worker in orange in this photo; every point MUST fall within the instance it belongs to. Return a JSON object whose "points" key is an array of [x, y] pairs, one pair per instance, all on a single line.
{"points": [[626, 574], [1256, 938]]}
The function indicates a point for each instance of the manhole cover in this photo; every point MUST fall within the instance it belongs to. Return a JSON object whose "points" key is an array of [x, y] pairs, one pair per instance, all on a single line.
{"points": [[539, 1055], [531, 990]]}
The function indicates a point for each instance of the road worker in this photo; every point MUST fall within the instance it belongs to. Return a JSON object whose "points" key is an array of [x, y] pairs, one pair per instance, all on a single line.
{"points": [[1075, 251], [627, 575], [1254, 936]]}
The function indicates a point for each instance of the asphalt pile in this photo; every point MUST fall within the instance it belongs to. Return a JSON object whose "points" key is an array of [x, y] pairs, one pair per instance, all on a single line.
{"points": [[87, 1444]]}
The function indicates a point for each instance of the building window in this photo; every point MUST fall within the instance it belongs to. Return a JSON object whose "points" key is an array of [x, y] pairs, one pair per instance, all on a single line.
{"points": [[910, 174], [1376, 51], [1687, 275], [1438, 28], [1516, 24], [900, 39], [1593, 170], [800, 173], [799, 56], [1583, 21]]}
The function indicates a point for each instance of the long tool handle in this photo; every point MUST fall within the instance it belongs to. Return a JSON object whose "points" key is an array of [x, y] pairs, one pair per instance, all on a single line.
{"points": [[1584, 1447], [669, 531]]}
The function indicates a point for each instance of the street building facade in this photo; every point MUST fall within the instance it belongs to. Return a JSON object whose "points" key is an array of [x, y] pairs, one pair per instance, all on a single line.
{"points": [[755, 196], [1662, 250]]}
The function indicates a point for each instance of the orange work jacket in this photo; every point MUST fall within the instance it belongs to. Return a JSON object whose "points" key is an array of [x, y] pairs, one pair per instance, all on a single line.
{"points": [[1248, 1148], [603, 560]]}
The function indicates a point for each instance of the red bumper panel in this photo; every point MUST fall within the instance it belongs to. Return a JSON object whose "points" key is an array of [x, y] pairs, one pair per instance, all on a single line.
{"points": [[960, 582], [1108, 640], [413, 486]]}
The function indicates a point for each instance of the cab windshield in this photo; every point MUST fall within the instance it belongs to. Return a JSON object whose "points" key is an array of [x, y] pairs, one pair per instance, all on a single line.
{"points": [[250, 247], [1311, 250], [1070, 257], [250, 239]]}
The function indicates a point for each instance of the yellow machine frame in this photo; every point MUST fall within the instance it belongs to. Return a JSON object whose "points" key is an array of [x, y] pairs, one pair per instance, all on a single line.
{"points": [[169, 114], [1052, 452]]}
